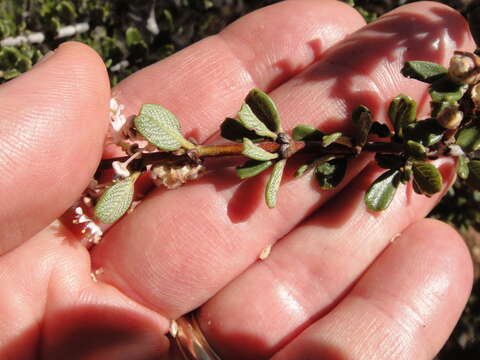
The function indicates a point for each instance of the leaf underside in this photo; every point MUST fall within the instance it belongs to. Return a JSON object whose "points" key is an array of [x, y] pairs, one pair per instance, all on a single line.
{"points": [[273, 183], [265, 109], [161, 128], [116, 200], [330, 174], [252, 168], [255, 152], [250, 121]]}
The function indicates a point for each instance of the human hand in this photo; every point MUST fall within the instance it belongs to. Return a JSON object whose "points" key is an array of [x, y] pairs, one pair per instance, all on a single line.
{"points": [[333, 286]]}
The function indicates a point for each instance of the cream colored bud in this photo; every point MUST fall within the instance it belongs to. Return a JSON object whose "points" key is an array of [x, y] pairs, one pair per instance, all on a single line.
{"points": [[460, 66], [461, 69], [450, 118], [175, 176], [475, 94]]}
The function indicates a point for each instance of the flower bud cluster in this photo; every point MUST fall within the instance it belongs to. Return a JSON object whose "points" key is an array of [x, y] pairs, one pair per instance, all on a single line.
{"points": [[463, 68], [450, 118], [174, 176]]}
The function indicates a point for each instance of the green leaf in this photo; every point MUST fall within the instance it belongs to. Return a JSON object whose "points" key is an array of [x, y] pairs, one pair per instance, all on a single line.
{"points": [[474, 176], [313, 163], [437, 107], [302, 169], [389, 161], [416, 150], [133, 36], [469, 139], [362, 118], [406, 174], [305, 132], [161, 128], [273, 183], [427, 177], [402, 111], [66, 11], [423, 70], [11, 73], [255, 152], [380, 194], [250, 121], [381, 130], [330, 173], [234, 130], [116, 200], [265, 109], [445, 90], [426, 132], [252, 168], [330, 139], [462, 167]]}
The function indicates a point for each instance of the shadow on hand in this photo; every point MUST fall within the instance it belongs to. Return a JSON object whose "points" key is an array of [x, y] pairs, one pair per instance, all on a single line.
{"points": [[94, 332]]}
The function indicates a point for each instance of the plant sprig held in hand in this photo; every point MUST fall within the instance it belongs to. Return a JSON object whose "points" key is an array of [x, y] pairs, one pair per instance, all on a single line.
{"points": [[155, 144]]}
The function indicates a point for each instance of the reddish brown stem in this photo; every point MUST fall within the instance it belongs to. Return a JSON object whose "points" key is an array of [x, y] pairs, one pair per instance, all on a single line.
{"points": [[235, 149]]}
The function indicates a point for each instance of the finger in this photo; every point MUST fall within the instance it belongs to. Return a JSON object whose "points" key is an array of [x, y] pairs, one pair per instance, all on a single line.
{"points": [[52, 124], [193, 241], [309, 270], [51, 308], [206, 81], [403, 307]]}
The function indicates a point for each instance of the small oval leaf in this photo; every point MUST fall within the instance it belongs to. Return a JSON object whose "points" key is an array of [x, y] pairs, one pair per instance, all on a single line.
{"points": [[305, 132], [427, 177], [161, 128], [469, 139], [425, 71], [273, 184], [381, 130], [389, 161], [330, 174], [416, 150], [445, 90], [116, 200], [474, 174], [264, 107], [330, 139], [402, 111], [302, 169], [253, 168], [380, 194], [252, 122], [255, 152], [463, 169], [233, 130], [362, 118], [426, 132]]}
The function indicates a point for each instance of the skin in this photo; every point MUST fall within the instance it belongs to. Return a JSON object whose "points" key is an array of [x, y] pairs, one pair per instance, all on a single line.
{"points": [[335, 285]]}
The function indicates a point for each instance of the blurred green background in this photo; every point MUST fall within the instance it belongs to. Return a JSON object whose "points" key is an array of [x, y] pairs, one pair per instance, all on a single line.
{"points": [[130, 35]]}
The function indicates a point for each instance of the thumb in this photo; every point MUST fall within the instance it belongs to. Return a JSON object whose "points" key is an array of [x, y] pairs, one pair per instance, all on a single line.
{"points": [[53, 120]]}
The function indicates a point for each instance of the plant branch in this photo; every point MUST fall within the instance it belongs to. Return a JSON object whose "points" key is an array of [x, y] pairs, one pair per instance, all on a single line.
{"points": [[235, 149]]}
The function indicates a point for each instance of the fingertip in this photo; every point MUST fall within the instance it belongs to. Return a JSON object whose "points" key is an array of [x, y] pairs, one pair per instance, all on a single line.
{"points": [[449, 249], [53, 121]]}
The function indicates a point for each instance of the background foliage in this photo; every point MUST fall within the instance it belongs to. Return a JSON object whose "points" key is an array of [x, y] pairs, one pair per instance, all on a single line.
{"points": [[130, 35]]}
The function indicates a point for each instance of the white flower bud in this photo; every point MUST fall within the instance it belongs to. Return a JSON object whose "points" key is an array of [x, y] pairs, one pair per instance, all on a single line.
{"points": [[461, 67], [174, 176], [450, 118], [475, 95]]}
